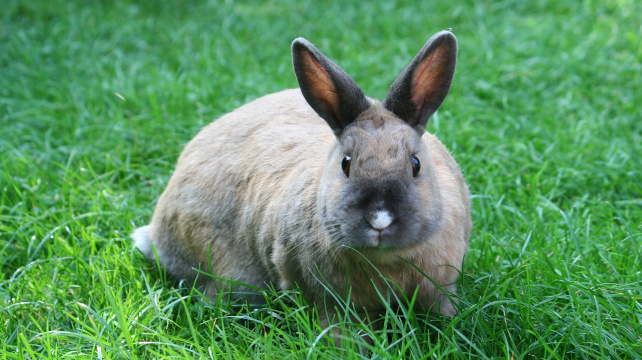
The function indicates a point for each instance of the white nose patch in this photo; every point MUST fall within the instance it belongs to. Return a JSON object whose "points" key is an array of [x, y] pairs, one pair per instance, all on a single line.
{"points": [[381, 220]]}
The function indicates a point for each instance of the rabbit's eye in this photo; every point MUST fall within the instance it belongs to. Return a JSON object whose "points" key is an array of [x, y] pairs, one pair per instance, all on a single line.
{"points": [[416, 166], [345, 165]]}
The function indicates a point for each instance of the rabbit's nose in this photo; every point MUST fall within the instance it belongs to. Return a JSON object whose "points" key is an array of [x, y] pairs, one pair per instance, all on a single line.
{"points": [[380, 220]]}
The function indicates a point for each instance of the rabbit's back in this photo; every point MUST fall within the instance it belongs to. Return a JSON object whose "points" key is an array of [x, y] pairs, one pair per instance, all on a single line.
{"points": [[226, 192]]}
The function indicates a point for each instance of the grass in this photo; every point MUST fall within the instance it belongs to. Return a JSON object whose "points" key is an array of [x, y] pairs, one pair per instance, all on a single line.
{"points": [[98, 98]]}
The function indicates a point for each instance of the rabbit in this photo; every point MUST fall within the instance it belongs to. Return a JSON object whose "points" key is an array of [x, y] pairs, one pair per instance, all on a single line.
{"points": [[322, 188]]}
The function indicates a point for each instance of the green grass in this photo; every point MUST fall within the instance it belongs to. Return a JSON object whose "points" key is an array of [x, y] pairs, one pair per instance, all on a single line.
{"points": [[98, 98]]}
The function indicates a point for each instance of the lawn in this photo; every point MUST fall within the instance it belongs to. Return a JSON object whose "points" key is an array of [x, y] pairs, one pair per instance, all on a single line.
{"points": [[98, 98]]}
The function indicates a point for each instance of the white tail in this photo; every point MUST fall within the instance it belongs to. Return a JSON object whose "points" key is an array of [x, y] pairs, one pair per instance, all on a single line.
{"points": [[141, 240]]}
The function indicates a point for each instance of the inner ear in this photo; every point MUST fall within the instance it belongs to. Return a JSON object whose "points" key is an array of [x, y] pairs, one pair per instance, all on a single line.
{"points": [[431, 81], [319, 86]]}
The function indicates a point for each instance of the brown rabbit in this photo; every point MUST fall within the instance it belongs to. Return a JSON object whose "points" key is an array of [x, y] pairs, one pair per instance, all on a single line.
{"points": [[322, 188]]}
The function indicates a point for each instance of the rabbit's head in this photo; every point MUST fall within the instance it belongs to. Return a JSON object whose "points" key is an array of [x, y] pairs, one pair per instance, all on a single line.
{"points": [[378, 192]]}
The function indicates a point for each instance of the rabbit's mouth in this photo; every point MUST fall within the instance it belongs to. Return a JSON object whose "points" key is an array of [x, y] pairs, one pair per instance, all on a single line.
{"points": [[380, 231], [383, 239], [384, 236], [381, 226]]}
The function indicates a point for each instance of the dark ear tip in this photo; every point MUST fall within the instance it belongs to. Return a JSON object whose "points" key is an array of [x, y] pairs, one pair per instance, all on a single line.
{"points": [[444, 35], [300, 42]]}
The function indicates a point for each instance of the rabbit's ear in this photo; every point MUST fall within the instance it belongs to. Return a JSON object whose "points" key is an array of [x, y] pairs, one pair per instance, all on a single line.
{"points": [[326, 87], [423, 85]]}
